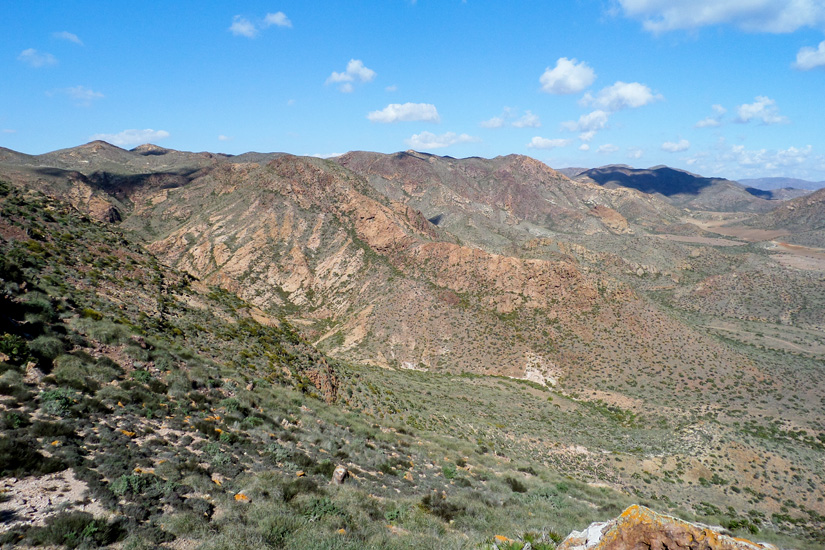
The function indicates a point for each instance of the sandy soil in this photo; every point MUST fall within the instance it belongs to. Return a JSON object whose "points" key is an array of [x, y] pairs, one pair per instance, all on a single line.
{"points": [[30, 500]]}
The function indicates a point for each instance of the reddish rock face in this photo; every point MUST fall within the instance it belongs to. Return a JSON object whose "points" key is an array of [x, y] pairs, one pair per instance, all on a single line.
{"points": [[640, 528]]}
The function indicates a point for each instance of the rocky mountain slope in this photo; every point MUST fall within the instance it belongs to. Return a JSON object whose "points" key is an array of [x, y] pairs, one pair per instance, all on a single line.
{"points": [[803, 218], [679, 188]]}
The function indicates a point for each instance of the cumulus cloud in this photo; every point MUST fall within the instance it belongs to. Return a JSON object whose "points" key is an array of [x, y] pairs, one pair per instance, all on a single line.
{"points": [[356, 71], [776, 16], [395, 112], [809, 58], [133, 137], [34, 58], [584, 147], [635, 153], [81, 95], [545, 143], [763, 109], [621, 95], [241, 26], [68, 36], [569, 76], [529, 120], [495, 122], [511, 118], [588, 124], [607, 148], [769, 160], [736, 161], [712, 121], [279, 19], [676, 146], [428, 140]]}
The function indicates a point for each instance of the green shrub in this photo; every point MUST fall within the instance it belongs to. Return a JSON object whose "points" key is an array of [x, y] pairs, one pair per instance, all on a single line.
{"points": [[516, 485], [449, 470], [57, 401], [15, 347], [46, 347], [438, 505], [19, 458], [74, 529]]}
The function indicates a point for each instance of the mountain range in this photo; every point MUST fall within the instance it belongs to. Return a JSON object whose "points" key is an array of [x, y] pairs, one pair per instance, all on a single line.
{"points": [[666, 329]]}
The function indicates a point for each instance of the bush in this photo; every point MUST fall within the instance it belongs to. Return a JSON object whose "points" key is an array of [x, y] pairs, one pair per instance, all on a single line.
{"points": [[516, 485], [19, 458], [15, 347], [46, 347], [57, 401], [437, 505], [74, 529]]}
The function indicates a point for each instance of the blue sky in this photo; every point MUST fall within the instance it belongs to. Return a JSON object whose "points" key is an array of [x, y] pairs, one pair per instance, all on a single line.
{"points": [[731, 88]]}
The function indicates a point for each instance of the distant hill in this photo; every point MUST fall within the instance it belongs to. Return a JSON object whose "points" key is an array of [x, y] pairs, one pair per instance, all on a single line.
{"points": [[770, 184], [680, 188], [782, 194], [803, 217], [571, 172]]}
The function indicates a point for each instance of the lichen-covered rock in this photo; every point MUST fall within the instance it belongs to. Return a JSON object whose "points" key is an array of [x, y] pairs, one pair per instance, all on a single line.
{"points": [[642, 528]]}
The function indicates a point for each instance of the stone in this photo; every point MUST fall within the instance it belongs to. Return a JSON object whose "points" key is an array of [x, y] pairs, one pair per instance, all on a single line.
{"points": [[339, 475]]}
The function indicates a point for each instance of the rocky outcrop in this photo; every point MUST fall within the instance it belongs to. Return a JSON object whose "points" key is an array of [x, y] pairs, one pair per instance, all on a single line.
{"points": [[642, 528]]}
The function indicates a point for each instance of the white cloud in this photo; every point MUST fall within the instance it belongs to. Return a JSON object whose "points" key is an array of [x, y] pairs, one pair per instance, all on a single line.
{"points": [[545, 143], [567, 77], [326, 155], [769, 160], [356, 71], [81, 95], [428, 140], [777, 16], [712, 121], [584, 147], [224, 138], [8, 131], [676, 146], [395, 112], [529, 120], [66, 35], [495, 122], [278, 19], [241, 26], [764, 109], [622, 95], [809, 58], [607, 148], [34, 58], [391, 88], [635, 153], [737, 162], [589, 124], [133, 137]]}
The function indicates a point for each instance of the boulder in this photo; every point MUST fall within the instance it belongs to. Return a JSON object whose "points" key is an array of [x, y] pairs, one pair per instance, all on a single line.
{"points": [[339, 475], [640, 527]]}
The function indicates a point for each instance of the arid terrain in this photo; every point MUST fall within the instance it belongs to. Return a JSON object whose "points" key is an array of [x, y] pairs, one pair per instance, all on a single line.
{"points": [[466, 326]]}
